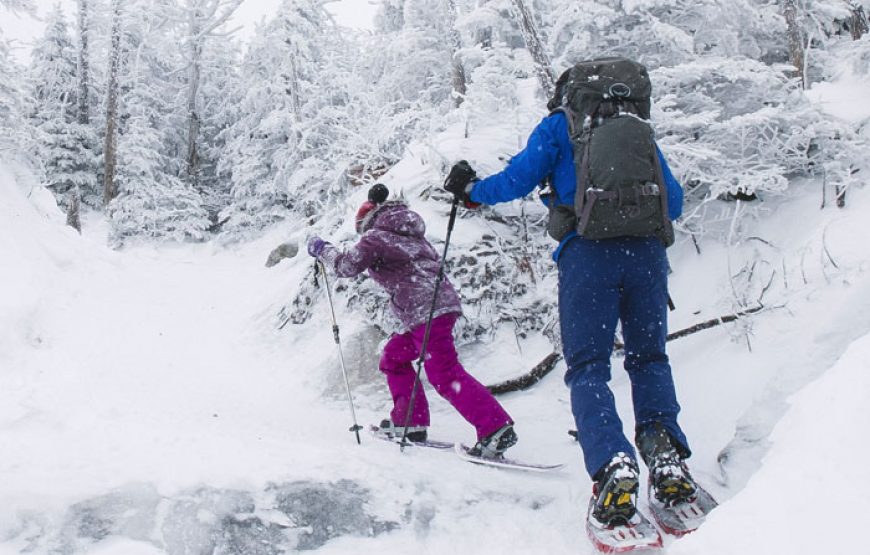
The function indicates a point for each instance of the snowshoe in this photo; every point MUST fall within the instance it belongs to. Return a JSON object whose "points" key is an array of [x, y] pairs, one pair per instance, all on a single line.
{"points": [[682, 517], [637, 533], [613, 522], [677, 503]]}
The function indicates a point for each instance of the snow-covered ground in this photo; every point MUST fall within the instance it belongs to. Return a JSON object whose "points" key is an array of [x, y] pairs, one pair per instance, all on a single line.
{"points": [[149, 404]]}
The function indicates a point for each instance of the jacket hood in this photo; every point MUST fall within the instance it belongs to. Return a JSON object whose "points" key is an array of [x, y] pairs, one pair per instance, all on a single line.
{"points": [[394, 217]]}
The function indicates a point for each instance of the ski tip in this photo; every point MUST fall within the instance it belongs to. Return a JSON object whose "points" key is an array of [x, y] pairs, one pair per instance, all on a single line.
{"points": [[462, 451]]}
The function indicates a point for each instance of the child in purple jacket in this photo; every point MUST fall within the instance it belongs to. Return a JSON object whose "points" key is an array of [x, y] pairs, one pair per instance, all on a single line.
{"points": [[394, 250]]}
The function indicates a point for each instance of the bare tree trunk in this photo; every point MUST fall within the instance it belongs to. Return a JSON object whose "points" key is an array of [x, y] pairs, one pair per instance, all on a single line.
{"points": [[459, 82], [484, 36], [84, 84], [110, 189], [194, 73], [204, 16], [858, 25], [73, 212], [536, 48], [293, 88], [795, 39]]}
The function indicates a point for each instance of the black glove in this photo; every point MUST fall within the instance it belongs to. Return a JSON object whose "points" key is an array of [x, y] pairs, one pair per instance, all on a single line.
{"points": [[460, 176]]}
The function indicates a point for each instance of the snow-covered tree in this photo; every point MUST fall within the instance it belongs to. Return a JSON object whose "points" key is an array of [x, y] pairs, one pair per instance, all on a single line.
{"points": [[153, 199], [151, 203], [65, 147], [201, 18], [84, 62], [535, 46], [218, 110], [276, 154], [110, 155], [19, 6], [10, 105]]}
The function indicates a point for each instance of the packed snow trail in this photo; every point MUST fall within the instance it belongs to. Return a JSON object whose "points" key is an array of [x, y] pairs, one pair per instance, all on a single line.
{"points": [[135, 345]]}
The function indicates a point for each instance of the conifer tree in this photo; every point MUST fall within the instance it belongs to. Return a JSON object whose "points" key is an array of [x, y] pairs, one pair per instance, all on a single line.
{"points": [[10, 105], [19, 6], [66, 148], [276, 154], [153, 199]]}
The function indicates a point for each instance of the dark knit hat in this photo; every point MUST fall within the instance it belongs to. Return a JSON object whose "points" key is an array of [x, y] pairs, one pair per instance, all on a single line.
{"points": [[377, 195]]}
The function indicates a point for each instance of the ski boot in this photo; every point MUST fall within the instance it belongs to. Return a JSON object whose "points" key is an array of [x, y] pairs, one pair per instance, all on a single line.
{"points": [[416, 434], [495, 444]]}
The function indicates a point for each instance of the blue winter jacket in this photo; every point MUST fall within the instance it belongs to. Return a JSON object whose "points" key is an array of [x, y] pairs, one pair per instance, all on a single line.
{"points": [[549, 152]]}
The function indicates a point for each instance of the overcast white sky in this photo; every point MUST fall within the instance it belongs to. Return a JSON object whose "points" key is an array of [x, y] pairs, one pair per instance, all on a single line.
{"points": [[20, 30]]}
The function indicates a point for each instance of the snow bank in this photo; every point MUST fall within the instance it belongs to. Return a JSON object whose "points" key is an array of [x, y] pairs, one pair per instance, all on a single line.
{"points": [[845, 99], [35, 249], [811, 494]]}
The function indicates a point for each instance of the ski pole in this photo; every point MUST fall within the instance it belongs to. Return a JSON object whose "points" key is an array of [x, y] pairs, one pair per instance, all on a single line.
{"points": [[421, 360], [356, 427]]}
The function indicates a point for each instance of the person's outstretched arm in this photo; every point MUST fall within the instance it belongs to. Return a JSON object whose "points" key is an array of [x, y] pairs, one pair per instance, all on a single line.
{"points": [[347, 263], [527, 169]]}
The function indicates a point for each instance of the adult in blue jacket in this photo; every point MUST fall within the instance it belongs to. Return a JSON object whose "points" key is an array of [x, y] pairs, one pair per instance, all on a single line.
{"points": [[601, 282]]}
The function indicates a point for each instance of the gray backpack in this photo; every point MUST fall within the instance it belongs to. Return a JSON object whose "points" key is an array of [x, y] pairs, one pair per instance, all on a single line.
{"points": [[620, 186]]}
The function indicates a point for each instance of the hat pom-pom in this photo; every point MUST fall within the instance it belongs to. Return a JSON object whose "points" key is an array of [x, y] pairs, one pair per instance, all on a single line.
{"points": [[378, 193]]}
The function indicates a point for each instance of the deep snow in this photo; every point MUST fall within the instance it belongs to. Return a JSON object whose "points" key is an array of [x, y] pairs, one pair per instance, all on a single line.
{"points": [[150, 405]]}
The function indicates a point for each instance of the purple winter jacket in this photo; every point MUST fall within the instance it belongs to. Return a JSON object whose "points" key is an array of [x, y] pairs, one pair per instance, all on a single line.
{"points": [[394, 250]]}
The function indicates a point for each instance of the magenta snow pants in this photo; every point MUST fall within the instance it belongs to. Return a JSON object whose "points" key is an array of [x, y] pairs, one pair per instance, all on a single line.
{"points": [[468, 396]]}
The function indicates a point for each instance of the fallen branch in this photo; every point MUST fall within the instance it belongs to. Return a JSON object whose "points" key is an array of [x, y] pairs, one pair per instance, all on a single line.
{"points": [[546, 366], [706, 325], [527, 380]]}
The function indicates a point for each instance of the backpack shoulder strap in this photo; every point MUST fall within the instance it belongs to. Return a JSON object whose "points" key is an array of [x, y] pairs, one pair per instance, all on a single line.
{"points": [[569, 115], [667, 236]]}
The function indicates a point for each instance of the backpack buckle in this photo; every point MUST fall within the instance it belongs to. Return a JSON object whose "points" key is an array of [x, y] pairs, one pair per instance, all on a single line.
{"points": [[650, 189]]}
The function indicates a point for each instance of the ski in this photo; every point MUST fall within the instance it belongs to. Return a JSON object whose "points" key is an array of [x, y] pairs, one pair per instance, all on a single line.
{"points": [[430, 443], [502, 462], [682, 518], [638, 535]]}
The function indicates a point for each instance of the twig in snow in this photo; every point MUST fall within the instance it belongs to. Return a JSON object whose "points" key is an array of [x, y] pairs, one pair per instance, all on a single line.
{"points": [[803, 270], [731, 231], [784, 275], [825, 248], [766, 287], [697, 246]]}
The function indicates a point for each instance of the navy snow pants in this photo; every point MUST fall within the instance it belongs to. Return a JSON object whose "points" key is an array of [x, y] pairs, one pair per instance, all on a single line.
{"points": [[600, 283]]}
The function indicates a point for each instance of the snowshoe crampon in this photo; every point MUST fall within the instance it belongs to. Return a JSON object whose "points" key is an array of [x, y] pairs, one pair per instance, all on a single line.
{"points": [[634, 535], [682, 517]]}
